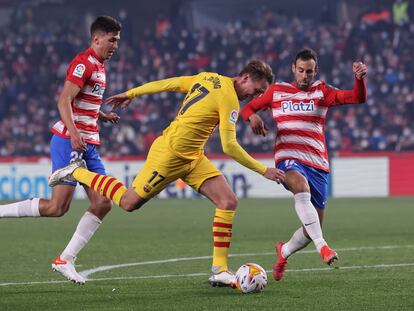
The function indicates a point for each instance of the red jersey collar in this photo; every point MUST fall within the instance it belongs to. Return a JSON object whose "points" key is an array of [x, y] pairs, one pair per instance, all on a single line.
{"points": [[91, 51]]}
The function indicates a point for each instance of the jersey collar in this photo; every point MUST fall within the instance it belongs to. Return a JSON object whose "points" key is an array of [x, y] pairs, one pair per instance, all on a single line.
{"points": [[93, 53]]}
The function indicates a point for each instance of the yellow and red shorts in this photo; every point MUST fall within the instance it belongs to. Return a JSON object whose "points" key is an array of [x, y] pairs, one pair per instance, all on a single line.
{"points": [[163, 167]]}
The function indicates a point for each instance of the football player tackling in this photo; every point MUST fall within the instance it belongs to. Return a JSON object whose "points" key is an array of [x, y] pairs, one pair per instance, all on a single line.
{"points": [[299, 110]]}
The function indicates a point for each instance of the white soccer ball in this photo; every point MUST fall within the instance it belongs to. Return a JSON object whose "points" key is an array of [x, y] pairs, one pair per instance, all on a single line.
{"points": [[251, 278]]}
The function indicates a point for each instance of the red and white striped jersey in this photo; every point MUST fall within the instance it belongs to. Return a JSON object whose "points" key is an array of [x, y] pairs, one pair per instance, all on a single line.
{"points": [[86, 70], [300, 118]]}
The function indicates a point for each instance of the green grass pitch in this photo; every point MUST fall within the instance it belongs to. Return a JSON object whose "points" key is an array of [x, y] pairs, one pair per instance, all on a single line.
{"points": [[169, 243]]}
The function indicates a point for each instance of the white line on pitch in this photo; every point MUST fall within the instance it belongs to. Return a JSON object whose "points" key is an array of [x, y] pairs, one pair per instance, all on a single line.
{"points": [[379, 266], [87, 273]]}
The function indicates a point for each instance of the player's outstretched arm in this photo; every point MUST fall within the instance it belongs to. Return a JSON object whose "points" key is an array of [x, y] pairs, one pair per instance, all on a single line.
{"points": [[360, 70], [120, 100], [358, 94], [176, 84], [232, 148]]}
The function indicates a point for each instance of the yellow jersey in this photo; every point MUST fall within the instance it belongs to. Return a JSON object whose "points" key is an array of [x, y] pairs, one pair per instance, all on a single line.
{"points": [[210, 100]]}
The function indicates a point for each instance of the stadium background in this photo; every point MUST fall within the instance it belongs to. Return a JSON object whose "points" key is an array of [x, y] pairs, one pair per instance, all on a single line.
{"points": [[371, 146], [158, 258]]}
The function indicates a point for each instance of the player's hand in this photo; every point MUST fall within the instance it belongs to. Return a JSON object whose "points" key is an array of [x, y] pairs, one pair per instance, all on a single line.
{"points": [[257, 125], [109, 117], [359, 69], [120, 100], [275, 174], [77, 142]]}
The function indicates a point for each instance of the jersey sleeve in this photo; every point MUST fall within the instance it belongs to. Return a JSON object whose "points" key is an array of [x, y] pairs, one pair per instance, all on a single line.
{"points": [[176, 84], [232, 148], [79, 72], [228, 114], [260, 103], [335, 97], [228, 117]]}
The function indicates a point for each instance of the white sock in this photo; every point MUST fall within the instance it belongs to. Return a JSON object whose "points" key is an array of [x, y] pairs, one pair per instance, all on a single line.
{"points": [[87, 226], [26, 208], [309, 218], [297, 242]]}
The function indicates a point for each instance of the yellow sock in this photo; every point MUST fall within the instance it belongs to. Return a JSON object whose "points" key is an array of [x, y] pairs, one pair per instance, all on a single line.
{"points": [[222, 232], [108, 186]]}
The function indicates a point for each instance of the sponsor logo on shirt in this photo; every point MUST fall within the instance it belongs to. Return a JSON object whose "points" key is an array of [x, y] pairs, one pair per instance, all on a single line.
{"points": [[98, 89], [289, 106], [234, 114], [79, 70]]}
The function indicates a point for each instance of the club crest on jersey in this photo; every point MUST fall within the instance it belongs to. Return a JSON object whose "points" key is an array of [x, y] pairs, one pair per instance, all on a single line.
{"points": [[234, 114], [289, 106], [79, 70]]}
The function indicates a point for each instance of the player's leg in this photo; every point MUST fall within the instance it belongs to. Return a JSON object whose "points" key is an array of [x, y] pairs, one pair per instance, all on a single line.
{"points": [[86, 228], [160, 168], [296, 181], [57, 206], [318, 182], [298, 185], [207, 179]]}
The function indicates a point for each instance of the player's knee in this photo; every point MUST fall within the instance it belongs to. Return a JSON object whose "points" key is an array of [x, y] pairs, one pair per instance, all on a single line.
{"points": [[101, 208], [131, 201], [300, 187], [130, 206], [56, 210], [229, 203]]}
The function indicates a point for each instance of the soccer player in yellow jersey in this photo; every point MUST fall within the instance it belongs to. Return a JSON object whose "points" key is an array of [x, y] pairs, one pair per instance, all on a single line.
{"points": [[211, 100]]}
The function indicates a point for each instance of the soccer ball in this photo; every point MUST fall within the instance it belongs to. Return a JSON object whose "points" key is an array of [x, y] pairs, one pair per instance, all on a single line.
{"points": [[251, 278]]}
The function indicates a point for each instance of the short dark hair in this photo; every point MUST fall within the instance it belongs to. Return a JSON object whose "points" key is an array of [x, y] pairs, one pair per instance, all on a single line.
{"points": [[105, 24], [258, 70], [306, 54]]}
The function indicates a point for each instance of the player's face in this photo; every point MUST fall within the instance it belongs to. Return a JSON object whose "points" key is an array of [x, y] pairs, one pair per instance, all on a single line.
{"points": [[106, 43], [249, 88], [304, 72]]}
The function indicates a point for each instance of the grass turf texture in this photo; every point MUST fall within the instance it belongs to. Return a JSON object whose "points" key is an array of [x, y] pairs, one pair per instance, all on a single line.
{"points": [[168, 229]]}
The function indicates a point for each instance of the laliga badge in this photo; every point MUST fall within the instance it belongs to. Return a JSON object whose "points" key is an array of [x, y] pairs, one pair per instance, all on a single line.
{"points": [[234, 114], [79, 70]]}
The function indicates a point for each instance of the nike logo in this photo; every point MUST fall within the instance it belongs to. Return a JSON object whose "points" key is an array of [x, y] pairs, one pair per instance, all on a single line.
{"points": [[309, 224]]}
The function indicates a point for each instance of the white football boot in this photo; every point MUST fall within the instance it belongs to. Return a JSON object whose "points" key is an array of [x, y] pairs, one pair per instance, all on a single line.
{"points": [[222, 279], [67, 269], [65, 174]]}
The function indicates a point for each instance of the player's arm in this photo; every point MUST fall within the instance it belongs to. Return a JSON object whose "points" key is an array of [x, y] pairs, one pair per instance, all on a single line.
{"points": [[357, 95], [259, 103], [176, 84], [228, 114], [232, 148], [248, 112], [69, 92]]}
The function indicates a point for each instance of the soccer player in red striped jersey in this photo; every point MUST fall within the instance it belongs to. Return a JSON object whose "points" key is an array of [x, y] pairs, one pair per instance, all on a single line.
{"points": [[76, 136], [299, 110]]}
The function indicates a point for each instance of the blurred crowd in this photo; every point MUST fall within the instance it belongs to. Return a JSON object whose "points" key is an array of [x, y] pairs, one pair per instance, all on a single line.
{"points": [[34, 57]]}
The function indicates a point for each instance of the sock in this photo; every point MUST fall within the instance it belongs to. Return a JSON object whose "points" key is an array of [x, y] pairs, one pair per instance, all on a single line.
{"points": [[297, 242], [87, 226], [109, 187], [222, 232], [309, 218], [26, 208]]}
